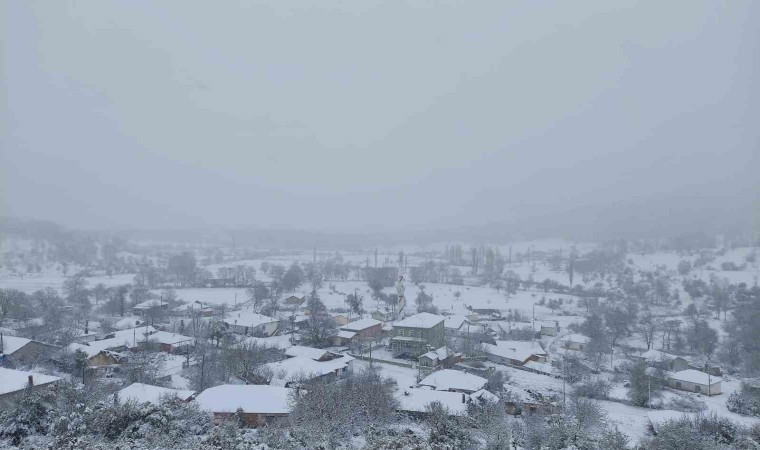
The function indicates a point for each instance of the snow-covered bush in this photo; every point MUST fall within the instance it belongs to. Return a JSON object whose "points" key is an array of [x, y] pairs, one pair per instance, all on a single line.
{"points": [[742, 402], [593, 388], [685, 404]]}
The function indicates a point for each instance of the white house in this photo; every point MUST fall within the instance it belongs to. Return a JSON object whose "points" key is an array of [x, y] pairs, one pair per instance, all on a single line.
{"points": [[695, 381], [575, 342], [515, 353], [251, 323], [454, 381]]}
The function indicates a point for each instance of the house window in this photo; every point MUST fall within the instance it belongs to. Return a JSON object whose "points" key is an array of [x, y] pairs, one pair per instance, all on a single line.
{"points": [[678, 384], [697, 388], [581, 346]]}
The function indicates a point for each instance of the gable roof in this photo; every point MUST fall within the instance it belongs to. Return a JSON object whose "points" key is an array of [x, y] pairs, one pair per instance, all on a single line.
{"points": [[361, 324], [301, 368], [254, 399], [441, 353], [129, 338], [695, 376], [17, 380], [142, 393], [306, 352], [12, 344], [516, 350], [164, 337], [248, 319], [455, 322], [420, 320], [444, 380], [415, 400]]}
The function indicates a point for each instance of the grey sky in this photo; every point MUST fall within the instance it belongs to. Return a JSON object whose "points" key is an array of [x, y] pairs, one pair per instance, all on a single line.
{"points": [[379, 114]]}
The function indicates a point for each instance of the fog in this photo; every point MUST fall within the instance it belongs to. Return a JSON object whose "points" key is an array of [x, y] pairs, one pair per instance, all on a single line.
{"points": [[372, 115]]}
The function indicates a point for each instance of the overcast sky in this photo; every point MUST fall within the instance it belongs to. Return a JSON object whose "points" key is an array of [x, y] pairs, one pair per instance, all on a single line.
{"points": [[373, 114]]}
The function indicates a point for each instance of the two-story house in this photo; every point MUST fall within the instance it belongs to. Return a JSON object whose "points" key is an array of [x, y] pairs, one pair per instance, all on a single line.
{"points": [[417, 335]]}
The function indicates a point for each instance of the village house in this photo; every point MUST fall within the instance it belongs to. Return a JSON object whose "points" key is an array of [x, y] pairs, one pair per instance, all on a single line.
{"points": [[695, 381], [22, 350], [260, 404], [146, 307], [522, 401], [417, 335], [414, 402], [293, 301], [515, 353], [456, 325], [109, 351], [364, 328], [675, 363], [454, 381], [147, 393], [339, 319], [307, 363], [575, 342], [548, 328], [345, 338], [195, 309], [13, 384], [442, 357], [169, 342], [251, 323]]}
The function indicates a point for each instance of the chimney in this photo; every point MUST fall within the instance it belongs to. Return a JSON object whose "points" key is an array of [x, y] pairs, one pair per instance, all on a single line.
{"points": [[31, 380]]}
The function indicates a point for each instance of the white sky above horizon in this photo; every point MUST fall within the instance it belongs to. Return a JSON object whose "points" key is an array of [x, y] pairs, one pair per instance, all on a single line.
{"points": [[358, 115]]}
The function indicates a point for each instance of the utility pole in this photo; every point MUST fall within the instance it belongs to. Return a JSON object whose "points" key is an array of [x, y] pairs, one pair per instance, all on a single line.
{"points": [[564, 368]]}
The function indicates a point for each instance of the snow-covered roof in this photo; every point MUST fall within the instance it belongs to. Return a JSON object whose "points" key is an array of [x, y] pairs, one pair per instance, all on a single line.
{"points": [[128, 322], [16, 380], [578, 338], [695, 376], [306, 352], [255, 399], [191, 306], [129, 338], [485, 395], [361, 324], [164, 337], [447, 379], [454, 322], [517, 350], [281, 342], [300, 368], [149, 304], [248, 319], [415, 400], [420, 320], [441, 353], [12, 344], [142, 393], [346, 334]]}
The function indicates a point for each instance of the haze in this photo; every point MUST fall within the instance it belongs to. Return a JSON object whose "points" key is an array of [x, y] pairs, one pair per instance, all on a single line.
{"points": [[379, 115]]}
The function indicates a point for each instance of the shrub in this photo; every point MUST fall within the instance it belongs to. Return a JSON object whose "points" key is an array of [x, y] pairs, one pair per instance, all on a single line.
{"points": [[593, 388]]}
